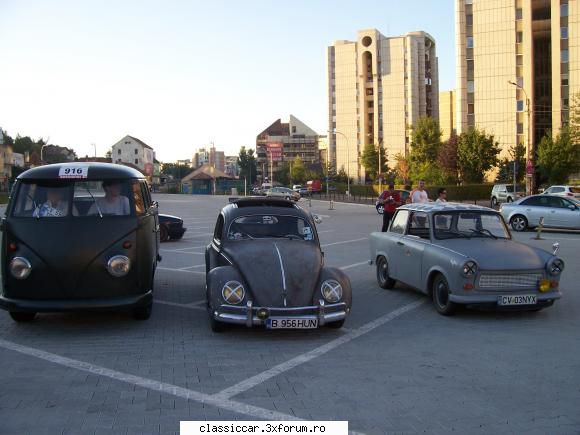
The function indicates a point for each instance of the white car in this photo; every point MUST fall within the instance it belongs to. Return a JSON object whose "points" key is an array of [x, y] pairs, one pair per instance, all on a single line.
{"points": [[567, 191], [296, 188]]}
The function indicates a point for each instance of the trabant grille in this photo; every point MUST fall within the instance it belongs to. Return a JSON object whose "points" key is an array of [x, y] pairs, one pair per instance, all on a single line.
{"points": [[507, 281]]}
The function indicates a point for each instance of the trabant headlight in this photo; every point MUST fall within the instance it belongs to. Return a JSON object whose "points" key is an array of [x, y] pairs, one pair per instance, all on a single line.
{"points": [[20, 267], [119, 265], [555, 266], [233, 292], [469, 268], [331, 291]]}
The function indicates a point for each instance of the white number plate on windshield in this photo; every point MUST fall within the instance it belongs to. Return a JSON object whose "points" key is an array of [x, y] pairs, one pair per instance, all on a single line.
{"points": [[517, 300], [280, 323], [73, 172]]}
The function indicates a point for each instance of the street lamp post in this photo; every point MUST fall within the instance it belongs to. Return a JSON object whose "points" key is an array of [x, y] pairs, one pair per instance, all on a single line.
{"points": [[530, 182], [347, 159]]}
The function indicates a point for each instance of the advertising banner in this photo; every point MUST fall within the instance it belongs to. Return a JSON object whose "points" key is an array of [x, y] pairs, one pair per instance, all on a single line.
{"points": [[275, 151]]}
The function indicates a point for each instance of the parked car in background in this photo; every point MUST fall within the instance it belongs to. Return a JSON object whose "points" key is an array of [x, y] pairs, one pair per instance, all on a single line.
{"points": [[566, 191], [405, 198], [283, 192], [297, 187], [461, 254], [556, 211], [170, 227], [265, 268], [501, 193]]}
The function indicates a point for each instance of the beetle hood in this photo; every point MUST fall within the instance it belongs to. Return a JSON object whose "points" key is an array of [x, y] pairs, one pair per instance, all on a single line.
{"points": [[499, 254], [278, 271]]}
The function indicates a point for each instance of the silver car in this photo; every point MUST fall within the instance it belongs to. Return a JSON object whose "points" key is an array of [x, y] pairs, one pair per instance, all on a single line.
{"points": [[501, 193], [283, 192], [555, 211], [462, 254], [567, 191]]}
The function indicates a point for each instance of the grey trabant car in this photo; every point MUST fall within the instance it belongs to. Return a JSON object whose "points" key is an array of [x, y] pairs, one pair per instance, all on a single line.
{"points": [[464, 255], [265, 268]]}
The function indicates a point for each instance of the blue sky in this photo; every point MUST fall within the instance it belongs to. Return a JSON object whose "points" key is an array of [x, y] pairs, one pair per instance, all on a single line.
{"points": [[181, 74]]}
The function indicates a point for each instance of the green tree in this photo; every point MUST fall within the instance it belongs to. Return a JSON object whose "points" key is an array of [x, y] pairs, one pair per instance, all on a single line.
{"points": [[447, 160], [425, 141], [505, 174], [402, 169], [558, 157], [24, 144], [7, 139], [476, 154], [297, 171], [175, 170], [370, 160], [247, 162]]}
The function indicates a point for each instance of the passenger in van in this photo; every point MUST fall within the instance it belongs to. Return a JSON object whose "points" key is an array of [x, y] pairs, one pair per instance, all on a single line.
{"points": [[54, 206], [113, 203]]}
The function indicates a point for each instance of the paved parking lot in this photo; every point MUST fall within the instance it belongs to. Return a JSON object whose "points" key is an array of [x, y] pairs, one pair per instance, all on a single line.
{"points": [[396, 366]]}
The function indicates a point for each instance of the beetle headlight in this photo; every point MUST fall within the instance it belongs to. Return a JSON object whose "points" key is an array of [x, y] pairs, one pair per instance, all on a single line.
{"points": [[331, 291], [20, 267], [469, 268], [555, 266], [233, 292], [119, 265]]}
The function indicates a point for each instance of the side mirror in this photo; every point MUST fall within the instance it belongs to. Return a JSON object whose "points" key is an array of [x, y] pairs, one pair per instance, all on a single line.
{"points": [[317, 219], [572, 207], [555, 248]]}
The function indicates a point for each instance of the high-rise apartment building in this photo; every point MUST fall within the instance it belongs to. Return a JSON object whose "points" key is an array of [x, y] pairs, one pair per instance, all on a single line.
{"points": [[378, 87], [518, 66], [447, 120]]}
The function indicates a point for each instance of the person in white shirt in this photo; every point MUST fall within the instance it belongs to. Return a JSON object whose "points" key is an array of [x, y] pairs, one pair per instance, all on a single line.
{"points": [[420, 194], [442, 195], [113, 203], [54, 206]]}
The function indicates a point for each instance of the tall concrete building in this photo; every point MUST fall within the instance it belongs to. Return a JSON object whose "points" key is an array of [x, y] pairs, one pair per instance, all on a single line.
{"points": [[447, 120], [511, 54], [378, 87]]}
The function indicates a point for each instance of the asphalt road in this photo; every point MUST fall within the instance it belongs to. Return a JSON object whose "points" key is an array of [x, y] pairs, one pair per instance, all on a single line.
{"points": [[396, 367]]}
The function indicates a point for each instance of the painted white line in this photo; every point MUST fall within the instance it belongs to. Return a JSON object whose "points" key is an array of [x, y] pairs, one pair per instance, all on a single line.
{"points": [[308, 356], [350, 266], [179, 270], [182, 251], [191, 306], [346, 241], [149, 384], [543, 236], [326, 231]]}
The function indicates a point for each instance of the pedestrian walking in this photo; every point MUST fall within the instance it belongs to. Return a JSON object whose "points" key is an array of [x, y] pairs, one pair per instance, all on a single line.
{"points": [[420, 194], [441, 195], [392, 200]]}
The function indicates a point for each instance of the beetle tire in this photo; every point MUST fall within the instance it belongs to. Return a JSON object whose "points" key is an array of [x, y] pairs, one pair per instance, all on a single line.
{"points": [[142, 313], [440, 293], [163, 233], [336, 325], [19, 316], [383, 278]]}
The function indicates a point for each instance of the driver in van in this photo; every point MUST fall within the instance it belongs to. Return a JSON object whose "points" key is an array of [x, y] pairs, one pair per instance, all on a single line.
{"points": [[54, 206], [113, 203]]}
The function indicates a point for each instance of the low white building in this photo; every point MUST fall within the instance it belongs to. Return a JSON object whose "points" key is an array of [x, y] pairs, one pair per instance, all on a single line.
{"points": [[133, 151]]}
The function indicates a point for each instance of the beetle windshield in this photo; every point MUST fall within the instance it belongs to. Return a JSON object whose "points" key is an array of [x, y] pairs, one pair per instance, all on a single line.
{"points": [[468, 224], [266, 226], [62, 198]]}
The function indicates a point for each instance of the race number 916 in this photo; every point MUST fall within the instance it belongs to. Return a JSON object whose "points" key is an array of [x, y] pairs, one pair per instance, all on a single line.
{"points": [[73, 172]]}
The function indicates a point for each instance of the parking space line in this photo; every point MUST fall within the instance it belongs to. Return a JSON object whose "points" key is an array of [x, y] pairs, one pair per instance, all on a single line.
{"points": [[182, 251], [191, 306], [343, 242], [179, 270], [319, 351], [350, 266], [150, 384]]}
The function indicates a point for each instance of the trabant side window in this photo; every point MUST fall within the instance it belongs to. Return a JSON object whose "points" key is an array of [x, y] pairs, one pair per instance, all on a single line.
{"points": [[266, 226], [419, 225], [399, 223], [42, 199]]}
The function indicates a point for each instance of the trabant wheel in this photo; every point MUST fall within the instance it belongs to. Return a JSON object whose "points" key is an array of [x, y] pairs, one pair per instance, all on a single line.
{"points": [[441, 300], [163, 233], [142, 313], [22, 316], [519, 223], [383, 278], [380, 209], [336, 325]]}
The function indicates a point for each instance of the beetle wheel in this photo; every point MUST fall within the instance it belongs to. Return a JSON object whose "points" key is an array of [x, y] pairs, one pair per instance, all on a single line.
{"points": [[22, 316], [163, 233], [519, 223], [441, 299], [383, 278]]}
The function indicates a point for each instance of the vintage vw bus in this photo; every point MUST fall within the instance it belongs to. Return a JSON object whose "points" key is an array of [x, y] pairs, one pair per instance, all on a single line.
{"points": [[79, 236]]}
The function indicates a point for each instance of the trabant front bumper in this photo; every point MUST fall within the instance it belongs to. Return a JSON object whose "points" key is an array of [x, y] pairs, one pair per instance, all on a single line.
{"points": [[248, 314], [485, 298], [60, 305]]}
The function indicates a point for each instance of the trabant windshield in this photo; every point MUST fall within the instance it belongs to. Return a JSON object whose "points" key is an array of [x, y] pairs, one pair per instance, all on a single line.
{"points": [[267, 226], [468, 224], [62, 198]]}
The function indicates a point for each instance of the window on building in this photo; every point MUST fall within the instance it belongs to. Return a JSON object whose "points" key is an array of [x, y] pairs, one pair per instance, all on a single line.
{"points": [[470, 86], [520, 82], [136, 161], [470, 109], [293, 129], [564, 56], [136, 151], [519, 60], [468, 2], [519, 37], [519, 14], [469, 20], [564, 32], [564, 81], [119, 151], [564, 10], [370, 104], [520, 128], [127, 142], [470, 42], [565, 103], [520, 105]]}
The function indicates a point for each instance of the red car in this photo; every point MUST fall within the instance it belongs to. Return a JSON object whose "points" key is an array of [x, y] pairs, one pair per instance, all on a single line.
{"points": [[405, 197]]}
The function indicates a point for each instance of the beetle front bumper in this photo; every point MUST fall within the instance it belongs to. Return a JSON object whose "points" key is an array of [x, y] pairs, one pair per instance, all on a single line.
{"points": [[248, 314], [60, 305]]}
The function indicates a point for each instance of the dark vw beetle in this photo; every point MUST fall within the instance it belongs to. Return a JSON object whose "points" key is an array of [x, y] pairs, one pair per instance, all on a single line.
{"points": [[79, 236], [265, 267]]}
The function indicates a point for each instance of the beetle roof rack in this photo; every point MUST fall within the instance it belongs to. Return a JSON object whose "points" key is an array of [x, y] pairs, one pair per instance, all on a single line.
{"points": [[262, 201]]}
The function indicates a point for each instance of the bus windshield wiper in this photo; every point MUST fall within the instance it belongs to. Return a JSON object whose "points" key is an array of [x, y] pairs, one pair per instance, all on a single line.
{"points": [[95, 201]]}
